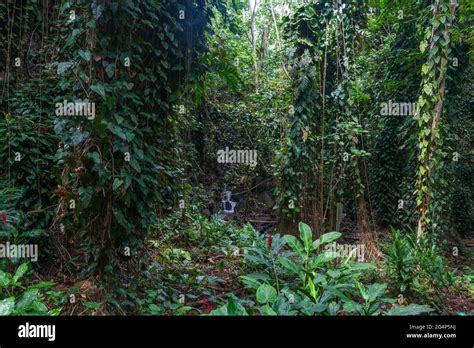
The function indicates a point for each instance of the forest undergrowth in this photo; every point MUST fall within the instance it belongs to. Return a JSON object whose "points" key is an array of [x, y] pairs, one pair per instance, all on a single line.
{"points": [[220, 157]]}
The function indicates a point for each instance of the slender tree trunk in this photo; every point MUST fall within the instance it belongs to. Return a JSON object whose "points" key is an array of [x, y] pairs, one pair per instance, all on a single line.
{"points": [[425, 170], [253, 35], [277, 33]]}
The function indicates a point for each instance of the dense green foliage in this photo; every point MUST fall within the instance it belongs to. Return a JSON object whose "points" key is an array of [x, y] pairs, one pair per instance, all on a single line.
{"points": [[30, 302], [101, 173], [125, 203]]}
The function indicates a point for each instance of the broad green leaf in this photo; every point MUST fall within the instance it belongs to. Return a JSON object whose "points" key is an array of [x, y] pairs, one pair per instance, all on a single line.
{"points": [[321, 259], [326, 238], [333, 308], [425, 68], [38, 308], [250, 282], [289, 265], [20, 272], [117, 183], [26, 299], [72, 38], [267, 310], [352, 307], [129, 136], [375, 291], [110, 70], [295, 244], [362, 291], [413, 309], [135, 165], [266, 293], [86, 195], [312, 289], [118, 131], [306, 236], [154, 309], [333, 291], [99, 89], [235, 308], [320, 307], [6, 306], [85, 54], [428, 89], [91, 23], [219, 311], [319, 279], [423, 46], [5, 279]]}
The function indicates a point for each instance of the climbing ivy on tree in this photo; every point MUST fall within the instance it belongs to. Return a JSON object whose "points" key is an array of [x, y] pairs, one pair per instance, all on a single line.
{"points": [[114, 174], [430, 103]]}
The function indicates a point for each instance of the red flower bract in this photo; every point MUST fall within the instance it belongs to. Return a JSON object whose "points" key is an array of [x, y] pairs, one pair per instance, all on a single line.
{"points": [[208, 304], [270, 241]]}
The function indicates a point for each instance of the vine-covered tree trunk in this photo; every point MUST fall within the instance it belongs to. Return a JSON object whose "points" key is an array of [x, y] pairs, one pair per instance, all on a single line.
{"points": [[430, 105]]}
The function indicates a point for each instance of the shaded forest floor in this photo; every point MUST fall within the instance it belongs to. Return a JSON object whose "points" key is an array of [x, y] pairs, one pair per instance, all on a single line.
{"points": [[178, 261]]}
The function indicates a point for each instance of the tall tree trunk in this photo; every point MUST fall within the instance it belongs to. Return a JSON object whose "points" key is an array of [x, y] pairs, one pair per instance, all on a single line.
{"points": [[431, 106], [277, 33], [253, 34]]}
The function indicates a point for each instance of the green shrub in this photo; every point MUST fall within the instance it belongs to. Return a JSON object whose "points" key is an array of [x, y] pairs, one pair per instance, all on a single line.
{"points": [[16, 299], [324, 285], [416, 265], [124, 167]]}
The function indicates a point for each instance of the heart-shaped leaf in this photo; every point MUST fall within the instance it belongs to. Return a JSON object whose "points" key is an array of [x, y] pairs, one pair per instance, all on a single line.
{"points": [[266, 293]]}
